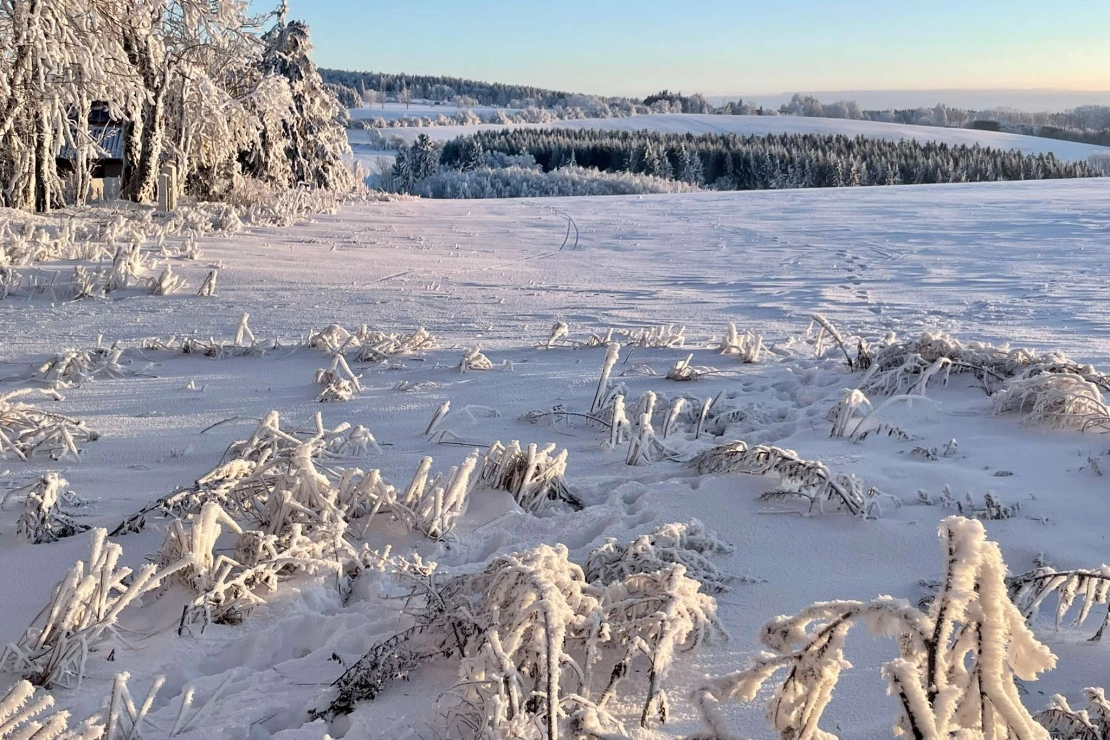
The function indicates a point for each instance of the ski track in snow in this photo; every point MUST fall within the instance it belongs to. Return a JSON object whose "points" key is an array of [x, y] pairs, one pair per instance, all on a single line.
{"points": [[1017, 261]]}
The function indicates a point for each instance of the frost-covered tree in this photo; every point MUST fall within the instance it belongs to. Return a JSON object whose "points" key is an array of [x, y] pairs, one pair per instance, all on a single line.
{"points": [[423, 157], [315, 140], [193, 83]]}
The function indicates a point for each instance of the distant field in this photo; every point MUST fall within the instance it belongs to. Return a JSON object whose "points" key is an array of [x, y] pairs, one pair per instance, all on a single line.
{"points": [[764, 125]]}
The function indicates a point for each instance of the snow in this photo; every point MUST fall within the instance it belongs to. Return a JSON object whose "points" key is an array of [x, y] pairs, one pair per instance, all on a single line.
{"points": [[1021, 262], [398, 111], [764, 125]]}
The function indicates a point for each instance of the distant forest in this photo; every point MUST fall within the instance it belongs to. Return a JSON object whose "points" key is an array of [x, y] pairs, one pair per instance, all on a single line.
{"points": [[732, 162], [1088, 124], [445, 89], [534, 161]]}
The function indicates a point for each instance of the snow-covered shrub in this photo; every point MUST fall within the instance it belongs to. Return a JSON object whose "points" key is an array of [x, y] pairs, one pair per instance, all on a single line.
{"points": [[473, 359], [433, 508], [73, 367], [685, 544], [664, 336], [1065, 723], [337, 391], [208, 287], [807, 479], [620, 426], [654, 614], [907, 366], [43, 519], [531, 631], [1061, 401], [214, 487], [168, 283], [535, 476], [748, 347], [1092, 587], [992, 509], [558, 336], [340, 383], [255, 468], [26, 430], [670, 424], [129, 266], [552, 657], [683, 370], [956, 667], [379, 347], [83, 611], [845, 412], [644, 447], [226, 588]]}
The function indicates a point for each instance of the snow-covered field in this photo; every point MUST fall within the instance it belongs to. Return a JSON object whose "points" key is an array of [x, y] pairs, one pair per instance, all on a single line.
{"points": [[397, 111], [1025, 262], [763, 125]]}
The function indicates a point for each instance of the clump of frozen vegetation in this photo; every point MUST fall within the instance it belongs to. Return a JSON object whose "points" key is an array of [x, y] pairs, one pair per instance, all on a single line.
{"points": [[909, 366], [43, 519], [747, 347], [826, 332], [957, 665], [256, 465], [806, 479], [1060, 401], [473, 360], [1091, 587], [1065, 723], [534, 475], [26, 430], [83, 612], [845, 415], [339, 381], [74, 367], [530, 630], [688, 544], [226, 588], [644, 447], [683, 370], [25, 715]]}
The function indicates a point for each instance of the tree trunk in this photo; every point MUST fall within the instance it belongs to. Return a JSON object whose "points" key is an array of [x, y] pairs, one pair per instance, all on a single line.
{"points": [[153, 136]]}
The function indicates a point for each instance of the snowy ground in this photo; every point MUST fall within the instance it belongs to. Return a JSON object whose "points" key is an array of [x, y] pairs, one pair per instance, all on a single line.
{"points": [[397, 111], [1020, 261], [763, 125]]}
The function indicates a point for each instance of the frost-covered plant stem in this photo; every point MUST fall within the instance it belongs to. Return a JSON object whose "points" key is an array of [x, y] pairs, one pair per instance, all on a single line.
{"points": [[954, 676]]}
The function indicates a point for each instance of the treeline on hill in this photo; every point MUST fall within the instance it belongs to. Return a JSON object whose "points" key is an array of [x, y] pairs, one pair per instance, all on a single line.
{"points": [[443, 89], [92, 85], [732, 162], [1088, 124]]}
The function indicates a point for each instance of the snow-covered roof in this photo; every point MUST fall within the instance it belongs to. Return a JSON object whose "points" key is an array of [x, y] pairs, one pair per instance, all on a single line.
{"points": [[108, 140]]}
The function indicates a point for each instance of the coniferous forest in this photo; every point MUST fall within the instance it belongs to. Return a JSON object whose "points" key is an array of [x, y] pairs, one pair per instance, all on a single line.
{"points": [[732, 162]]}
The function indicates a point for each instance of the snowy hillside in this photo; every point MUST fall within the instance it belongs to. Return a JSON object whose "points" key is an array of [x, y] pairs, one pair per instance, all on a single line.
{"points": [[399, 111], [763, 125], [496, 276]]}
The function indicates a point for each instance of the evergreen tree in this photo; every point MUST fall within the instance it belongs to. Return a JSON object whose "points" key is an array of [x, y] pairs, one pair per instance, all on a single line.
{"points": [[471, 155], [315, 139], [403, 179], [424, 157]]}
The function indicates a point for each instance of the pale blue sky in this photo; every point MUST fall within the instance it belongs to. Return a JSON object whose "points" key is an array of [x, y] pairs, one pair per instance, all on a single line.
{"points": [[722, 47]]}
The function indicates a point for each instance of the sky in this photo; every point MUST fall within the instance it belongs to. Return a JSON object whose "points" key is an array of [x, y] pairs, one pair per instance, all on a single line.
{"points": [[722, 47]]}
